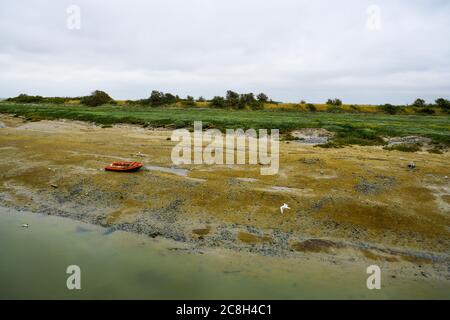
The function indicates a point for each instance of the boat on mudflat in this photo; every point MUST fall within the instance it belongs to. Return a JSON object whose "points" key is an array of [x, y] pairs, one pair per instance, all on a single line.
{"points": [[124, 166]]}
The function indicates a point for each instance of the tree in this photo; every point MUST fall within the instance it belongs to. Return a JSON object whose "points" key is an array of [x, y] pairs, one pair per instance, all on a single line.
{"points": [[97, 98], [246, 99], [156, 98], [201, 99], [334, 102], [169, 99], [419, 103], [232, 99], [262, 97], [443, 104], [217, 102]]}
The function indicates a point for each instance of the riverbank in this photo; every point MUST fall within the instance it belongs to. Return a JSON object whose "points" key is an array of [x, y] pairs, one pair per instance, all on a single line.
{"points": [[353, 205]]}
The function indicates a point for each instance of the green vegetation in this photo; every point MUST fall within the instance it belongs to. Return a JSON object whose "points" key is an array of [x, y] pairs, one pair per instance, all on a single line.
{"points": [[419, 103], [97, 98], [311, 107], [247, 101], [353, 125], [334, 102], [405, 147], [443, 104], [348, 134], [24, 98], [390, 109], [350, 128]]}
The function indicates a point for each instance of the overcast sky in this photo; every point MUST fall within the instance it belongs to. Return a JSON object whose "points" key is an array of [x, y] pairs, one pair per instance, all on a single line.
{"points": [[393, 52]]}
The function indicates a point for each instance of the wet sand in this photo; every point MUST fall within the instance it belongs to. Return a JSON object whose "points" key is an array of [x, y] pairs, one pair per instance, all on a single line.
{"points": [[355, 205]]}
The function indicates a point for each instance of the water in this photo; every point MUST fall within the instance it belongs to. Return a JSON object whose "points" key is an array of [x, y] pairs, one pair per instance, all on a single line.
{"points": [[177, 171], [122, 265]]}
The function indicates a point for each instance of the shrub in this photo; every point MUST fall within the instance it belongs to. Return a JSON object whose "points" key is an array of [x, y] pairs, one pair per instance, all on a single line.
{"points": [[334, 102], [217, 102], [180, 124], [257, 105], [232, 99], [311, 107], [24, 98], [170, 99], [443, 104], [262, 97], [246, 99], [156, 98], [97, 98], [427, 111], [389, 109], [334, 109], [419, 103]]}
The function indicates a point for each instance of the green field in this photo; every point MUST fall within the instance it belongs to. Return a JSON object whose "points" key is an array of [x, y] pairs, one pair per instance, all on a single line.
{"points": [[351, 128]]}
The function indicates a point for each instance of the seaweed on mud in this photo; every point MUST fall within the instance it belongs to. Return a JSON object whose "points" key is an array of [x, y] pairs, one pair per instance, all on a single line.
{"points": [[317, 245], [380, 184], [321, 203]]}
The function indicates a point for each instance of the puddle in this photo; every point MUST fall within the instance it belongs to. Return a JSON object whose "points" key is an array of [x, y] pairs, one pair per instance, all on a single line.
{"points": [[313, 140], [247, 179], [286, 189], [442, 197], [177, 171], [312, 136], [195, 179]]}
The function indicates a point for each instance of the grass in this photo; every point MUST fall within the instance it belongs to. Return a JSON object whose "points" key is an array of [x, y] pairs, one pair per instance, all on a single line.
{"points": [[350, 128]]}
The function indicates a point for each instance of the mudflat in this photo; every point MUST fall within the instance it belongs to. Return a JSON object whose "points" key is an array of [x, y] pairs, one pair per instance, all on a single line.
{"points": [[360, 205]]}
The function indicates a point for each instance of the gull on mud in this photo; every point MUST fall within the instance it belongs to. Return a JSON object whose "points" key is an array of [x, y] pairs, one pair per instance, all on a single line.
{"points": [[283, 207]]}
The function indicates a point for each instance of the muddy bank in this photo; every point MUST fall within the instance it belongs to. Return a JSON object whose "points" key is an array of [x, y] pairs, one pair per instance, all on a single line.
{"points": [[350, 204]]}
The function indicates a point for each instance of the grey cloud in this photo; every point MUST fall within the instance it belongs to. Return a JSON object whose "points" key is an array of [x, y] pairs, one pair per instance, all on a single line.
{"points": [[289, 49]]}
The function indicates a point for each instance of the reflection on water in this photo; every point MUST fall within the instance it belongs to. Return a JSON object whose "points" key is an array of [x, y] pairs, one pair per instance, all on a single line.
{"points": [[123, 265]]}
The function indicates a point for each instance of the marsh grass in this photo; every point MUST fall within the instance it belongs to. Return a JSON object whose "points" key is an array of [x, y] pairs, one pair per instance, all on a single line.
{"points": [[350, 128]]}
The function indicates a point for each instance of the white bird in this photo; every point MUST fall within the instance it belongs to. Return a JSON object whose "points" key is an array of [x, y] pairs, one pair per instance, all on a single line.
{"points": [[283, 207], [25, 225]]}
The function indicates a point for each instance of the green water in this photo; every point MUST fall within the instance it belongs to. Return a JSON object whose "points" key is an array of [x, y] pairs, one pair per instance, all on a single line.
{"points": [[33, 264]]}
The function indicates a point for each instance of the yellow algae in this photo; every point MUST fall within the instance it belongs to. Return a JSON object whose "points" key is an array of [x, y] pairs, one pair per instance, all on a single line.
{"points": [[352, 194]]}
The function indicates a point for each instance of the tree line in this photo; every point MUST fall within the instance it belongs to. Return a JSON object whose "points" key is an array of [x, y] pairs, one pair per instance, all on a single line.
{"points": [[232, 100]]}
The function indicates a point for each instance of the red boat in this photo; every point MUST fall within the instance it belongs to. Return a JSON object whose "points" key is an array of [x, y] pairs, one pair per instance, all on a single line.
{"points": [[124, 166]]}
